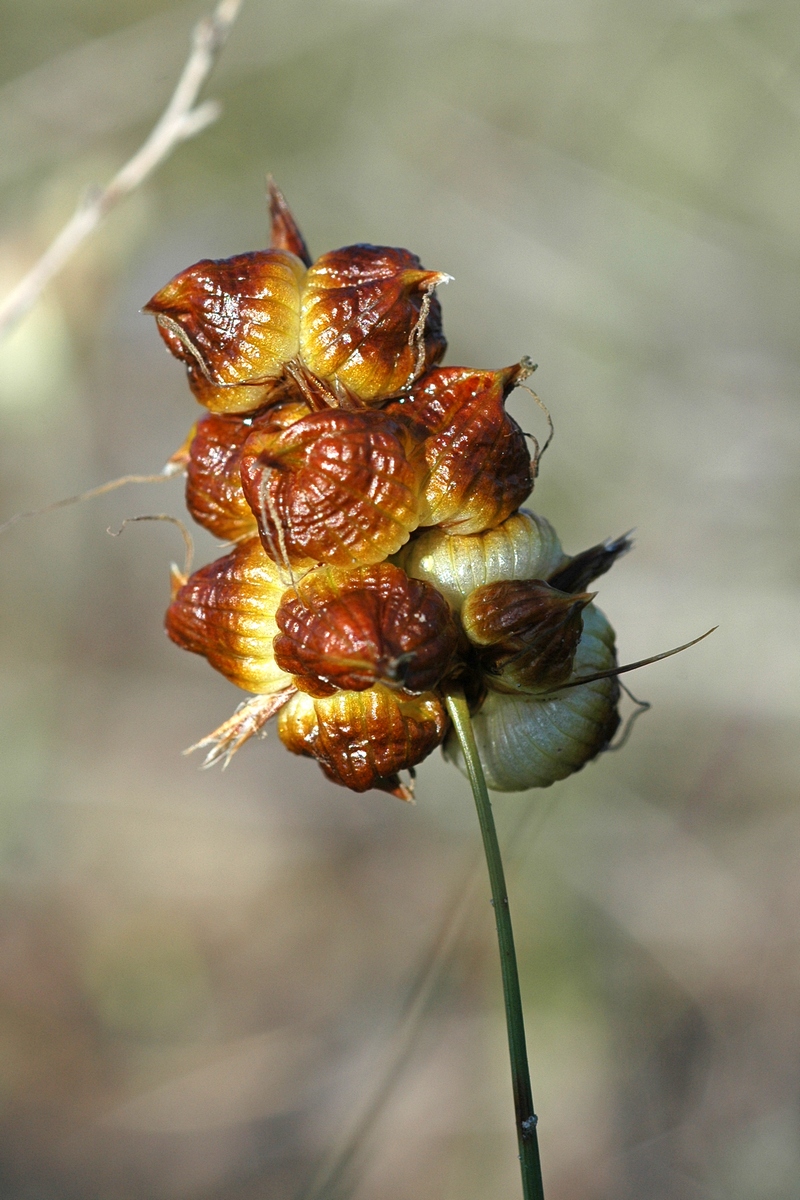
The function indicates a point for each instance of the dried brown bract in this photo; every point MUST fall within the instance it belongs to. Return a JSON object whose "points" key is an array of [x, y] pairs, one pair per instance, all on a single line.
{"points": [[527, 632]]}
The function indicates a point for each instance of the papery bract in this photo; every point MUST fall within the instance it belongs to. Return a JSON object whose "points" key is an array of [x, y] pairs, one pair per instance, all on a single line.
{"points": [[526, 632], [285, 233]]}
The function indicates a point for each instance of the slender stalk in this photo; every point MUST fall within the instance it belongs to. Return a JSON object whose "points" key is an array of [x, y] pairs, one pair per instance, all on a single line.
{"points": [[526, 1118]]}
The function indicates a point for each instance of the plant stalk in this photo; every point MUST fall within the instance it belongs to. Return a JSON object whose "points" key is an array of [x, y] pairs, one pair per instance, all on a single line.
{"points": [[526, 1119]]}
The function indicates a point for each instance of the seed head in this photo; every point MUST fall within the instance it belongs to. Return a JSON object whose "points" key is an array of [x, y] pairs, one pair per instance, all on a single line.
{"points": [[381, 555]]}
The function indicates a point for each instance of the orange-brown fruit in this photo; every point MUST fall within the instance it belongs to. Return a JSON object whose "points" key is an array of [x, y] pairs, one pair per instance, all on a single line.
{"points": [[478, 464], [362, 739], [214, 495], [335, 487], [235, 322], [351, 629], [226, 612], [370, 323], [527, 633]]}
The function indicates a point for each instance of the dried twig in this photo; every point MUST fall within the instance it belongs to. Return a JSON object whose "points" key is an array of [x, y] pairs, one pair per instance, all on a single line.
{"points": [[179, 121]]}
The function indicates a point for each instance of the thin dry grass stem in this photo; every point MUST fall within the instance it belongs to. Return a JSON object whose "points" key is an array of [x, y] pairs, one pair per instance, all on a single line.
{"points": [[171, 469], [180, 121], [187, 537]]}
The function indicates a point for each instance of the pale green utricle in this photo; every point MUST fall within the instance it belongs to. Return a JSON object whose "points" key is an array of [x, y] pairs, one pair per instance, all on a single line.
{"points": [[526, 742], [524, 547]]}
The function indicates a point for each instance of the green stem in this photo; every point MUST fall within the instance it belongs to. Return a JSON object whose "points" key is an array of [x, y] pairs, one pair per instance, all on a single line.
{"points": [[520, 1076]]}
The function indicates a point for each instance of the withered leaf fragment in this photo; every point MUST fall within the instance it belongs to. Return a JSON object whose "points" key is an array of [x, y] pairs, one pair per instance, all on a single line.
{"points": [[235, 322], [351, 629], [370, 323], [478, 465], [362, 739], [335, 487], [527, 633], [226, 612]]}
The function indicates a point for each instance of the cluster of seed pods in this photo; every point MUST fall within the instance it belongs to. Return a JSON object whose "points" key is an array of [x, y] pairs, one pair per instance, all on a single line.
{"points": [[380, 555]]}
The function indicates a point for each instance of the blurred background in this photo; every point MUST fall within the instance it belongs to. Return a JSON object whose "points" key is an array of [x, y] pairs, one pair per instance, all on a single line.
{"points": [[253, 983]]}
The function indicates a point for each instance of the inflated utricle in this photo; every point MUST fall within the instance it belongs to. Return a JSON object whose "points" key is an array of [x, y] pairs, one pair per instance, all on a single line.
{"points": [[528, 741]]}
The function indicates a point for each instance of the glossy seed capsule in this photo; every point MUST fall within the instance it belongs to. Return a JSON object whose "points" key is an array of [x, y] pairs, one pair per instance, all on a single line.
{"points": [[370, 324], [362, 739], [214, 494], [351, 629], [226, 612], [235, 322], [335, 487], [478, 467]]}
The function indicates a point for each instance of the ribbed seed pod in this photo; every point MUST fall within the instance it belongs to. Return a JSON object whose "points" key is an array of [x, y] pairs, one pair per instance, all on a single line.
{"points": [[524, 546], [478, 468], [370, 324], [214, 494], [527, 742], [226, 612], [362, 739], [351, 629], [335, 487], [235, 322]]}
